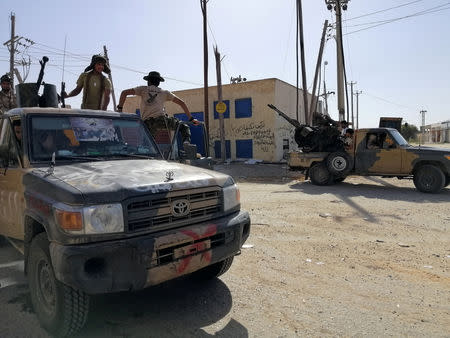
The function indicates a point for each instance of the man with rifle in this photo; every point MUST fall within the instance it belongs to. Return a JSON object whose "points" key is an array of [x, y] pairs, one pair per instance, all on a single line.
{"points": [[96, 87], [7, 98]]}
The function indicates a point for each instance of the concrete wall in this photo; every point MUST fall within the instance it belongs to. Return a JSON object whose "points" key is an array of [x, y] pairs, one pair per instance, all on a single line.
{"points": [[265, 128]]}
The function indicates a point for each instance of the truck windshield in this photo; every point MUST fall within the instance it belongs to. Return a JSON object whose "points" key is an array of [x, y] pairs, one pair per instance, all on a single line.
{"points": [[87, 137], [399, 138]]}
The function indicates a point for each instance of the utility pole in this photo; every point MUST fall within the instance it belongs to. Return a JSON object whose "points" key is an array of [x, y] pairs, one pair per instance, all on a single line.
{"points": [[205, 65], [337, 4], [357, 93], [302, 52], [351, 102], [312, 108], [110, 78], [423, 125], [219, 94]]}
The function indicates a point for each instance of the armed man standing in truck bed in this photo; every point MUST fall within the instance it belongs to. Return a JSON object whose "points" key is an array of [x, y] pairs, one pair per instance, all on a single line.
{"points": [[96, 87], [152, 106]]}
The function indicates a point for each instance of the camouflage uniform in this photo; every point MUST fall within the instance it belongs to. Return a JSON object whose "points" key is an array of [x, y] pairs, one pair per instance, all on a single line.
{"points": [[7, 101]]}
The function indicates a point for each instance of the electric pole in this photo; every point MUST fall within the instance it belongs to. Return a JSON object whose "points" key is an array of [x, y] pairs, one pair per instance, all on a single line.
{"points": [[302, 52], [351, 102], [315, 98], [338, 6], [12, 49], [205, 65], [357, 93], [423, 125], [219, 94]]}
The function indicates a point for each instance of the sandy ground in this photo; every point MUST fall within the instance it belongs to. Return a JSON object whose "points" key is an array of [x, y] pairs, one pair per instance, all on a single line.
{"points": [[367, 257]]}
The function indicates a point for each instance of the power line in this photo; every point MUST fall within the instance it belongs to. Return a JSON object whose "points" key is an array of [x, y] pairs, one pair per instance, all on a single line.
{"points": [[427, 11], [383, 10], [387, 101]]}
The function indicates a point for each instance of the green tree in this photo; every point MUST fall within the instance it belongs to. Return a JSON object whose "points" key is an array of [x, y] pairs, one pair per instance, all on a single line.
{"points": [[409, 131]]}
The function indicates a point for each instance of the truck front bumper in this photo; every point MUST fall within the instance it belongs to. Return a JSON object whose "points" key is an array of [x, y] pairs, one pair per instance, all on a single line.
{"points": [[139, 262]]}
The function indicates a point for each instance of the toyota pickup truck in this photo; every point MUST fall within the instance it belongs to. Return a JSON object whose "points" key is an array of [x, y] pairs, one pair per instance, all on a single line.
{"points": [[377, 152], [88, 199]]}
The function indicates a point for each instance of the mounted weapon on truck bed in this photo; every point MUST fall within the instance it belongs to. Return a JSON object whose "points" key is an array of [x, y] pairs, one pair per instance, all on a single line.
{"points": [[325, 137], [28, 93]]}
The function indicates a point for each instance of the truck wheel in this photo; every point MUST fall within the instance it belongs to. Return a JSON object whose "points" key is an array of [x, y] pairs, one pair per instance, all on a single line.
{"points": [[215, 270], [61, 309], [429, 178], [320, 175], [339, 163]]}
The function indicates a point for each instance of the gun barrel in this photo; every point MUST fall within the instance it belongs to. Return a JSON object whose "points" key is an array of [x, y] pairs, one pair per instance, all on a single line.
{"points": [[295, 123]]}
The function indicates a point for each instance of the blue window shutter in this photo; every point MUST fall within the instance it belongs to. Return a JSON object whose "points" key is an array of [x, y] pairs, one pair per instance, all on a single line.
{"points": [[244, 148], [226, 115], [243, 107]]}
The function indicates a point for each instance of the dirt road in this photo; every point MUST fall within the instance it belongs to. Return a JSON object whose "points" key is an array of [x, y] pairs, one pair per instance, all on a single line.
{"points": [[368, 257]]}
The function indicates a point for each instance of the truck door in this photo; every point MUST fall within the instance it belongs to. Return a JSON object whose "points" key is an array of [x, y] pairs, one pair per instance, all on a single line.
{"points": [[379, 154], [12, 203]]}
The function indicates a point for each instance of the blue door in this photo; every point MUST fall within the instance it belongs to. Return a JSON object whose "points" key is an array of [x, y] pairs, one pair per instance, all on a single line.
{"points": [[244, 148], [196, 131]]}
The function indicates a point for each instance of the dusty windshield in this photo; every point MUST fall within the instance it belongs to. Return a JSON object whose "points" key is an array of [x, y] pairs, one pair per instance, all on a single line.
{"points": [[82, 137]]}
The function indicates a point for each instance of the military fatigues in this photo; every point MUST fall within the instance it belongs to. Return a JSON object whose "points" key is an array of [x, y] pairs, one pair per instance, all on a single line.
{"points": [[94, 86], [7, 101], [152, 111]]}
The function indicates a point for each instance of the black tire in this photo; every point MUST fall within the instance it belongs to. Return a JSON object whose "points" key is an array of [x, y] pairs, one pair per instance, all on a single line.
{"points": [[61, 309], [429, 178], [319, 174], [339, 163], [339, 179], [215, 270]]}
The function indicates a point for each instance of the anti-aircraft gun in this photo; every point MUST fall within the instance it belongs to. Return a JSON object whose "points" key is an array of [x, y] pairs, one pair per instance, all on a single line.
{"points": [[323, 137], [28, 93]]}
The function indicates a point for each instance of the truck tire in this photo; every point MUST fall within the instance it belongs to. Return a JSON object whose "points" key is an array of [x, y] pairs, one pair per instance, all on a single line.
{"points": [[429, 178], [61, 309], [319, 174], [215, 270], [339, 163], [339, 179]]}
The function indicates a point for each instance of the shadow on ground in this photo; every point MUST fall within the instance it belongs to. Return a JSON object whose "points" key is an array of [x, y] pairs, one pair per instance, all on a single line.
{"points": [[178, 308]]}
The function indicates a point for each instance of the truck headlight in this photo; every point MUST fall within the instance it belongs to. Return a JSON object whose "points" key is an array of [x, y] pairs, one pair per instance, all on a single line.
{"points": [[95, 219], [100, 219], [231, 197]]}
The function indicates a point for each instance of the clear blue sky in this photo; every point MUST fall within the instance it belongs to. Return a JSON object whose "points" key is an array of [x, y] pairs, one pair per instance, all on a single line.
{"points": [[401, 67]]}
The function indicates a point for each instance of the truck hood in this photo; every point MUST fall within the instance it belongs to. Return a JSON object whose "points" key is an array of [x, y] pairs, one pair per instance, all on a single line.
{"points": [[114, 181]]}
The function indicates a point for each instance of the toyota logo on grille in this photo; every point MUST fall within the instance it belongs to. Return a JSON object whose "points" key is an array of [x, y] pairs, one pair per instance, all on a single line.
{"points": [[181, 208]]}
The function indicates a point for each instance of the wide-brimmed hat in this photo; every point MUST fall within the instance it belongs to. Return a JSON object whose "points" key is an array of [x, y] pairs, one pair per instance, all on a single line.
{"points": [[154, 75], [98, 59], [5, 78]]}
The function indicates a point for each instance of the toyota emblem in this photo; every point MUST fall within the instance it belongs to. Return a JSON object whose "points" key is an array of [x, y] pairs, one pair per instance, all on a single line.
{"points": [[181, 208]]}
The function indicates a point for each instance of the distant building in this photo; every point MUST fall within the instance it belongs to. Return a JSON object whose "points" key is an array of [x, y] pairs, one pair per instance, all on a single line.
{"points": [[437, 132], [252, 130]]}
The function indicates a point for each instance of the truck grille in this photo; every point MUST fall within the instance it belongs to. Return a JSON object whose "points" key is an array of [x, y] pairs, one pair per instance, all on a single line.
{"points": [[156, 211]]}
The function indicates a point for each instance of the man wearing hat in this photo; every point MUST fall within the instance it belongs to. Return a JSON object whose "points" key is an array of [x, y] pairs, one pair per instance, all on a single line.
{"points": [[7, 98], [96, 87], [152, 106]]}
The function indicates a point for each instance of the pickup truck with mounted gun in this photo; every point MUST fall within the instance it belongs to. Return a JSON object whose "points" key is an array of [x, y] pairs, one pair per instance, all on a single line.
{"points": [[325, 158]]}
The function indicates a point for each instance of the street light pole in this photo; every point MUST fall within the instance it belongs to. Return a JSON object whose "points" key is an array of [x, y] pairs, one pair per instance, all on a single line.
{"points": [[357, 93]]}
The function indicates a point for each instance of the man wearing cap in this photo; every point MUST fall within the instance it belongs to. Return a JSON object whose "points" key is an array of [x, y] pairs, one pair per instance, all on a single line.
{"points": [[152, 106], [96, 87], [7, 98]]}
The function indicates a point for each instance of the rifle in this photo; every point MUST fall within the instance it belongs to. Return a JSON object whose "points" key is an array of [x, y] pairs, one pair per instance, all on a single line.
{"points": [[295, 123], [63, 90], [41, 73]]}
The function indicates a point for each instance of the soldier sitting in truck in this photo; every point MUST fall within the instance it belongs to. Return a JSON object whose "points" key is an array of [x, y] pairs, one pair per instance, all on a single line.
{"points": [[372, 142]]}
